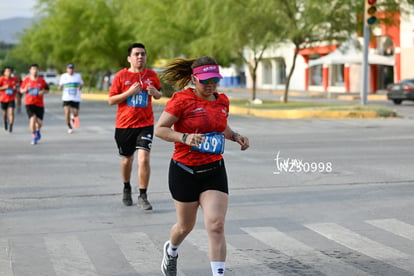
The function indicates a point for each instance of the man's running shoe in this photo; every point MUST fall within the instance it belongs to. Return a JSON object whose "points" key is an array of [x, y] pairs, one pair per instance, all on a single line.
{"points": [[70, 131], [143, 202], [38, 135], [34, 141], [169, 263], [127, 198], [76, 122]]}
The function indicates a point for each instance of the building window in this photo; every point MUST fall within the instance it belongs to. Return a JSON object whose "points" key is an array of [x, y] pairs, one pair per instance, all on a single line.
{"points": [[280, 71], [385, 46], [267, 72], [337, 75], [315, 75]]}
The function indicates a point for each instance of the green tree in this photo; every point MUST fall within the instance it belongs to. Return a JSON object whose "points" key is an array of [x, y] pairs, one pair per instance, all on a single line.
{"points": [[255, 31], [92, 34], [222, 29]]}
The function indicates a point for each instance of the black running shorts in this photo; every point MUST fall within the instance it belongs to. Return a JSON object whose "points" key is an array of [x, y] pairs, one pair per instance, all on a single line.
{"points": [[6, 105], [186, 183], [130, 139], [71, 104], [34, 110]]}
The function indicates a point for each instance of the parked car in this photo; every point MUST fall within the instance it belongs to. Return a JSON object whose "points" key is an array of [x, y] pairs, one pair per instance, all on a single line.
{"points": [[50, 78], [401, 91]]}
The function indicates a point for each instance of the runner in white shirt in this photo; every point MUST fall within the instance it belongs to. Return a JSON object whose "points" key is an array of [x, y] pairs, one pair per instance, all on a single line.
{"points": [[71, 84]]}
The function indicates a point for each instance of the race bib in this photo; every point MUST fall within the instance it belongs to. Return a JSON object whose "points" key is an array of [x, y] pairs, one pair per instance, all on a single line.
{"points": [[9, 91], [33, 91], [72, 91], [213, 142], [138, 100]]}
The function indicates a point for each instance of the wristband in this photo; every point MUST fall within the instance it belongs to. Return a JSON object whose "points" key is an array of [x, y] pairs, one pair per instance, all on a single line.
{"points": [[184, 138]]}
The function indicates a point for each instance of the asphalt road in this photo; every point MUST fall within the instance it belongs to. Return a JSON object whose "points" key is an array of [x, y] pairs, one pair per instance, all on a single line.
{"points": [[310, 197]]}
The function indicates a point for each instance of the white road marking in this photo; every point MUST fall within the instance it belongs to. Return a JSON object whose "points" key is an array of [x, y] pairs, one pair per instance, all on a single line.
{"points": [[301, 252], [5, 259], [143, 255], [364, 245], [69, 257], [239, 262], [394, 226]]}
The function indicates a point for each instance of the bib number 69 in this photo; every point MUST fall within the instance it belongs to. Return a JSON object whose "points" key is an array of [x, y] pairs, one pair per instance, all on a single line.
{"points": [[213, 142]]}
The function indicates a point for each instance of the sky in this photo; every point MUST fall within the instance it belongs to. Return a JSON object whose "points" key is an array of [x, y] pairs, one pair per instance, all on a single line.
{"points": [[16, 8]]}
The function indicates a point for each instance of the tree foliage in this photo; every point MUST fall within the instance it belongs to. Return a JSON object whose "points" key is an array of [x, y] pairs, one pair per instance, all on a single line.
{"points": [[91, 34]]}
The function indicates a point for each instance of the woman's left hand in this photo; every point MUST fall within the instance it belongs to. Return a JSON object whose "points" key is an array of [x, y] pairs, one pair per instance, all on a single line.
{"points": [[243, 141]]}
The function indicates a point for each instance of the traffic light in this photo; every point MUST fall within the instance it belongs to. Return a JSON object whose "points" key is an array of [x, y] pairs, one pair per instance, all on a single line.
{"points": [[370, 11]]}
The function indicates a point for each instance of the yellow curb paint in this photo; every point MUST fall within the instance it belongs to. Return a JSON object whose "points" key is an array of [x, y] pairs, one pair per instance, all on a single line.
{"points": [[162, 100], [369, 97], [348, 97], [95, 97], [377, 97], [302, 114], [275, 114]]}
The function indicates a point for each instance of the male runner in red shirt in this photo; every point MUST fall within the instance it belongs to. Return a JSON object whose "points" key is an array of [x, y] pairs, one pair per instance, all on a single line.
{"points": [[7, 96], [132, 90], [34, 87]]}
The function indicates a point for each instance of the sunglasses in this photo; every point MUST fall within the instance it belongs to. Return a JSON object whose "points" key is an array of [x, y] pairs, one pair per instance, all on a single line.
{"points": [[209, 81]]}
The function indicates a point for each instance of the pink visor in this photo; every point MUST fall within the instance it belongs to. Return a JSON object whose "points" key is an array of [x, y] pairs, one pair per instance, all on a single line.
{"points": [[207, 72]]}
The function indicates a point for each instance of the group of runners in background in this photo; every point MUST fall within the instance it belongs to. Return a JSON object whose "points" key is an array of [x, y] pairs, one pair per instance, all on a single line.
{"points": [[34, 87]]}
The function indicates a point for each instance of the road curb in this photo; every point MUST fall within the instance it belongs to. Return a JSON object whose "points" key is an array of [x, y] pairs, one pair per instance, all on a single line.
{"points": [[95, 97], [303, 114], [272, 114]]}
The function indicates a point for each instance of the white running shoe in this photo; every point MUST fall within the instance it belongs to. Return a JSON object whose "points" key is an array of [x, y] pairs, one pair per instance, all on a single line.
{"points": [[169, 263]]}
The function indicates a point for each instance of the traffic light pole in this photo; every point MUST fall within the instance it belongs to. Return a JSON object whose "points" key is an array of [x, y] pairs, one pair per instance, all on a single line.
{"points": [[364, 88], [369, 19]]}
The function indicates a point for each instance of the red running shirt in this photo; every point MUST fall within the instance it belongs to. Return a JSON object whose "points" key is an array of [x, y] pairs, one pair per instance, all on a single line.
{"points": [[196, 115], [135, 112], [9, 94], [34, 87]]}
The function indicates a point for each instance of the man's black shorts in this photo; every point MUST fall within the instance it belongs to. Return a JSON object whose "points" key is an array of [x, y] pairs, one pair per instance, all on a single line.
{"points": [[130, 139], [34, 110], [6, 105], [186, 183], [71, 104]]}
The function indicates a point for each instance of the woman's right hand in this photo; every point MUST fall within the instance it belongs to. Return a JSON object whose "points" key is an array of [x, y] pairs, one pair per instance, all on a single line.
{"points": [[194, 139], [134, 89]]}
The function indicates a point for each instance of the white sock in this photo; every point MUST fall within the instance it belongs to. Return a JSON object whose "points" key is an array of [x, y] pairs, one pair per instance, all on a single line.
{"points": [[218, 268], [172, 249]]}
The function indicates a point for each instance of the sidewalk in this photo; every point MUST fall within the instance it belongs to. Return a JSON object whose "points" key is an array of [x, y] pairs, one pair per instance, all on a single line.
{"points": [[283, 114]]}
